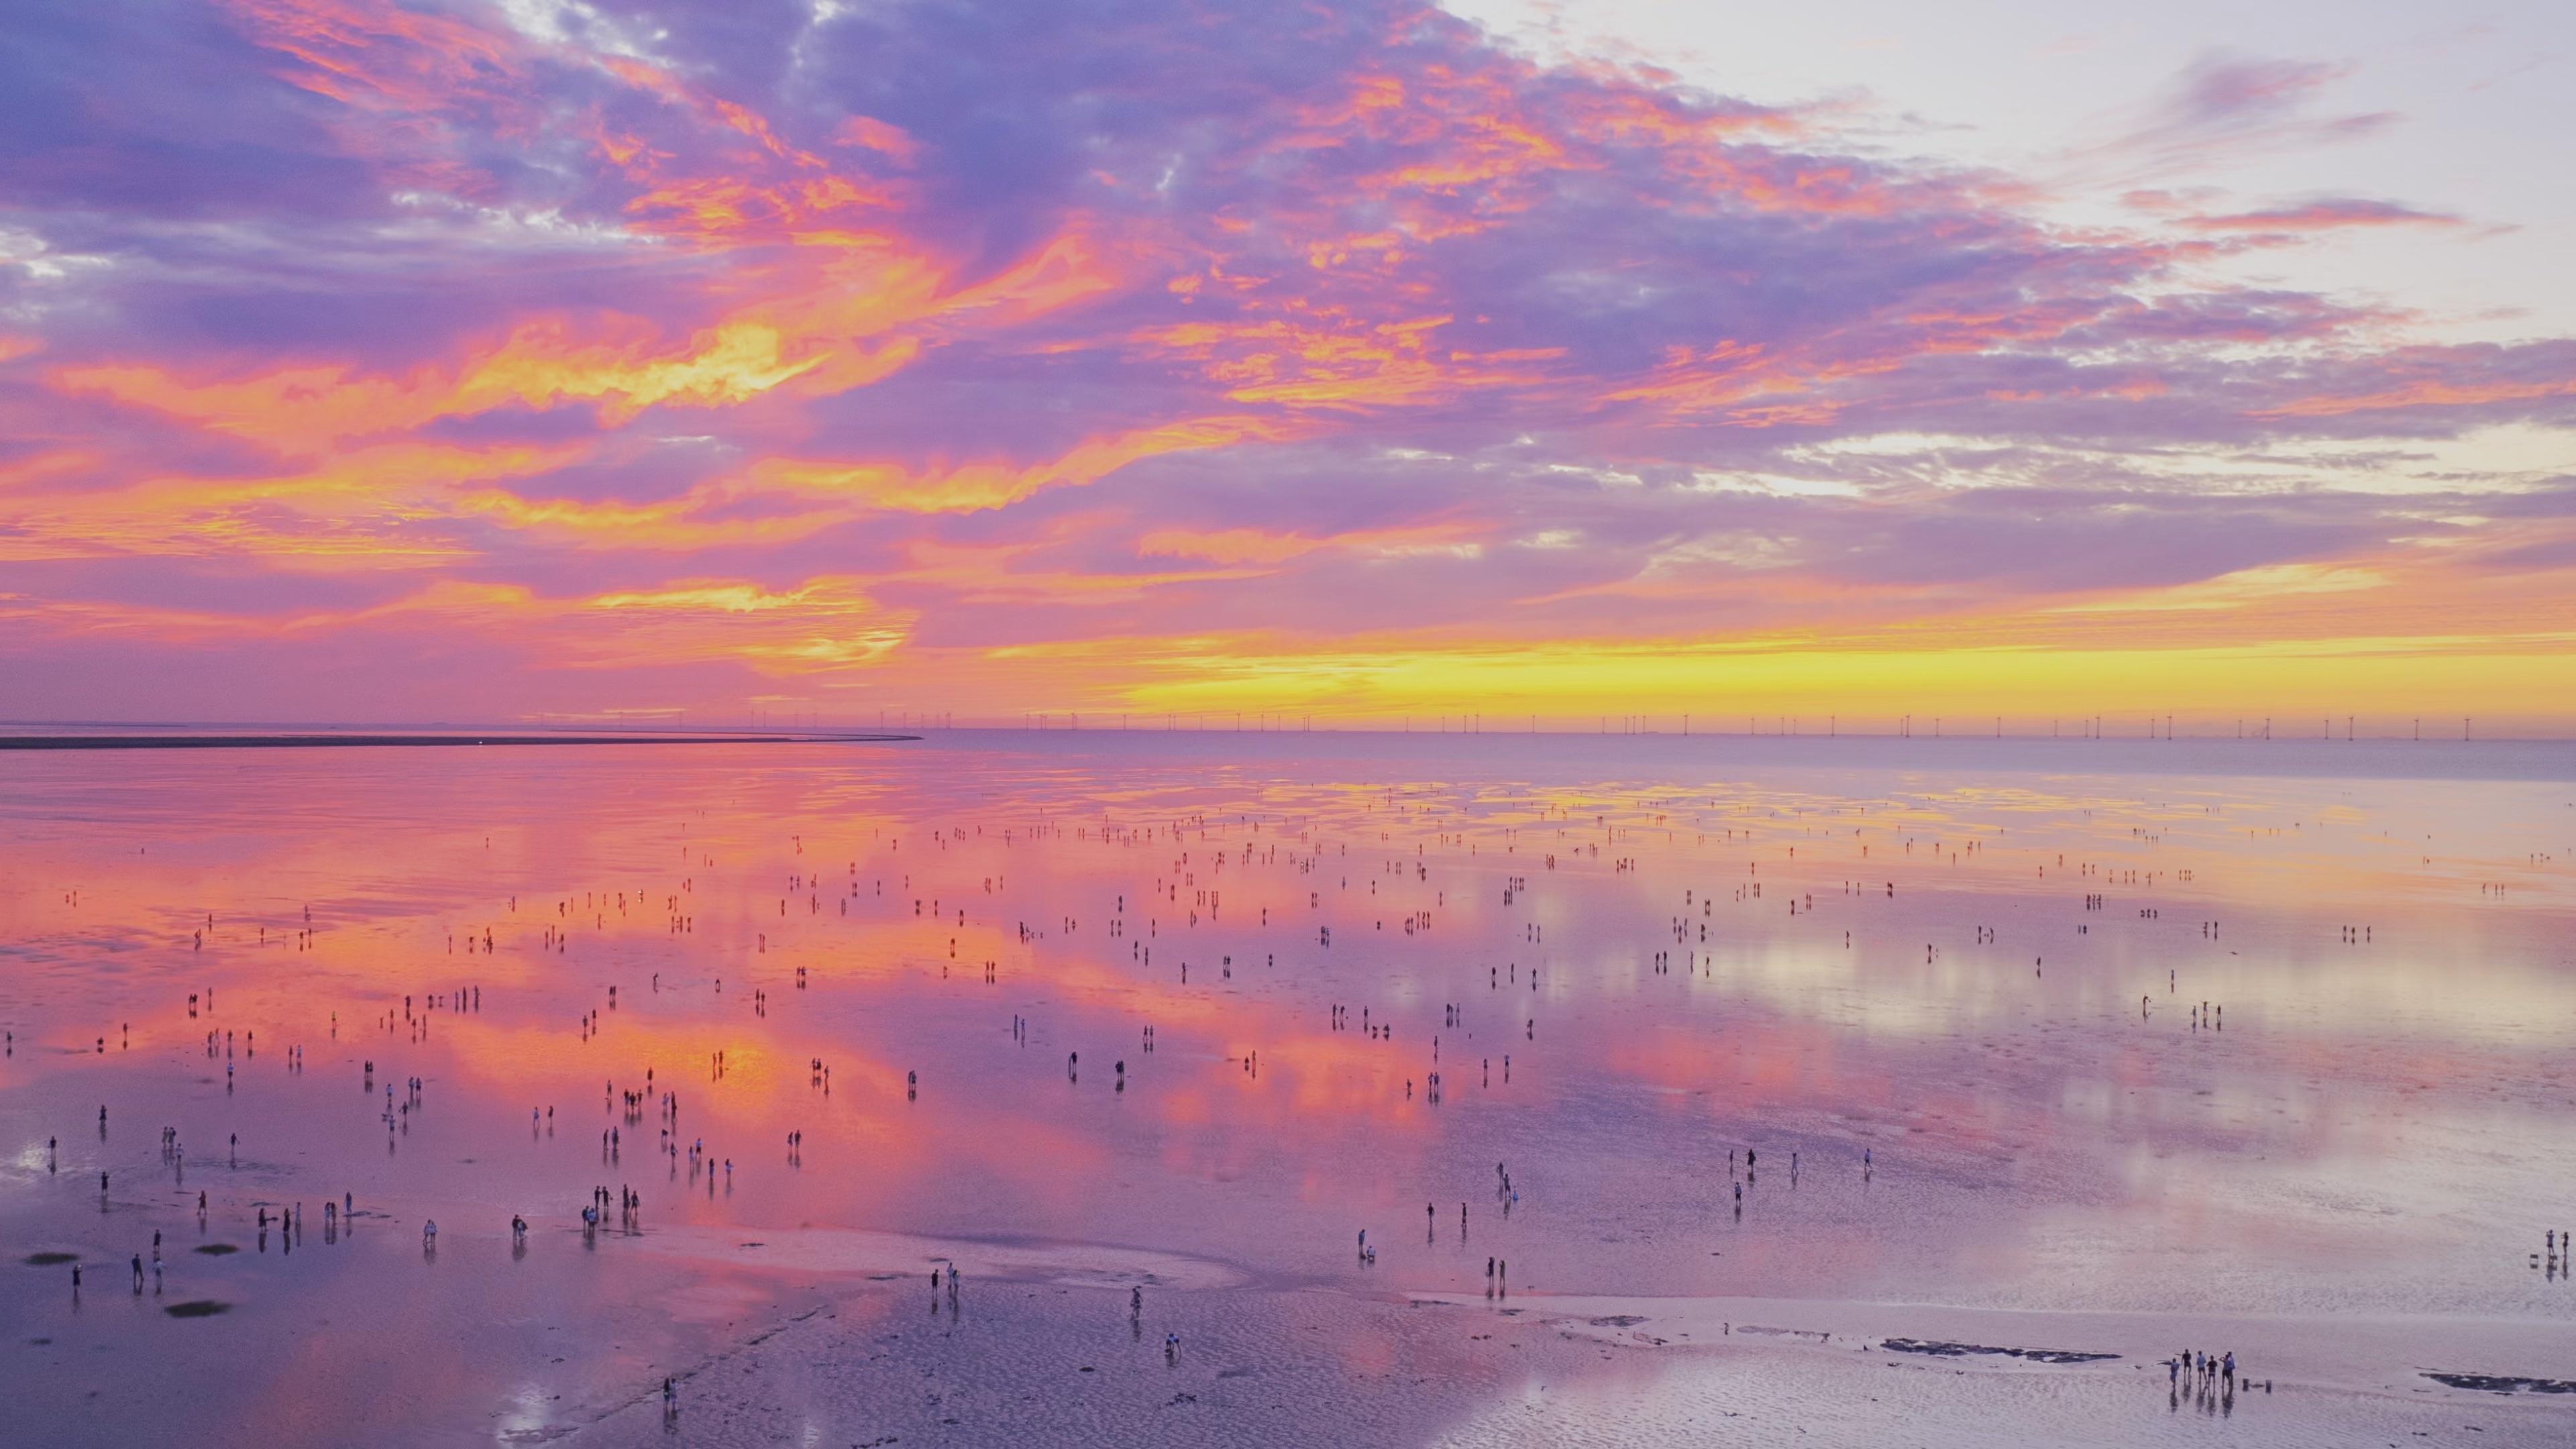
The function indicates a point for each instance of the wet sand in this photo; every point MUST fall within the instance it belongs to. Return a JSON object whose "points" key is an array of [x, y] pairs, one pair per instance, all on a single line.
{"points": [[2249, 1056], [1578, 1371]]}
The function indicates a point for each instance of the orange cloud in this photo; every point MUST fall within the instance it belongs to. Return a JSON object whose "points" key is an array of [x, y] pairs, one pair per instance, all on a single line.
{"points": [[804, 496], [811, 342], [823, 624], [353, 510], [1252, 545], [974, 487], [2430, 392]]}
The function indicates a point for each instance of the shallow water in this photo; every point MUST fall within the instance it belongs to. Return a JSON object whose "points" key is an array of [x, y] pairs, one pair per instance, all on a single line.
{"points": [[1081, 1013]]}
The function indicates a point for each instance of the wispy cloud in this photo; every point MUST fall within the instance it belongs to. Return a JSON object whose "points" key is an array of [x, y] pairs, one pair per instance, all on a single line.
{"points": [[2225, 109], [2324, 214]]}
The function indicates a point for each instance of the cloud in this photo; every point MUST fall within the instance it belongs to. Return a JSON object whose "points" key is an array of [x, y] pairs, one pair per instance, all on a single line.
{"points": [[552, 356], [2224, 109], [2323, 214]]}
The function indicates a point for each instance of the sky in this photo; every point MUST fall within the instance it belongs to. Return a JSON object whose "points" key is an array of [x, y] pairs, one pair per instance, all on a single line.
{"points": [[1345, 363]]}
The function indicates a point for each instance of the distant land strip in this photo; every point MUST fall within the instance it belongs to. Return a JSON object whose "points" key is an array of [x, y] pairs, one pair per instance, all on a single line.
{"points": [[347, 741]]}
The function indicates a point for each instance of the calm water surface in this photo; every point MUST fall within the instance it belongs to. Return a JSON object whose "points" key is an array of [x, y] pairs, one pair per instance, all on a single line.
{"points": [[2255, 1039]]}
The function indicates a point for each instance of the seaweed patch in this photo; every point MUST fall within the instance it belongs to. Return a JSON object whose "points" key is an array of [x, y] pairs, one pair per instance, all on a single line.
{"points": [[2503, 1384], [1941, 1349]]}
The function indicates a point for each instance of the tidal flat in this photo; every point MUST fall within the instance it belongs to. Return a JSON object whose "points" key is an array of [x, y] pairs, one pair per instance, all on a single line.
{"points": [[1057, 1087]]}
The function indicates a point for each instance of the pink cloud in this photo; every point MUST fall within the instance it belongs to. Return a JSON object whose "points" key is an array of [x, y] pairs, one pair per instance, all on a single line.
{"points": [[2328, 214]]}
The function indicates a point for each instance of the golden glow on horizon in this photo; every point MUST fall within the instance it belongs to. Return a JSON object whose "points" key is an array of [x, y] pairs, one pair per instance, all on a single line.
{"points": [[2392, 678]]}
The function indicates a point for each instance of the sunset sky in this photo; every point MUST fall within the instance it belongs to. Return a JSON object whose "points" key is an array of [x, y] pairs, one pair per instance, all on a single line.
{"points": [[533, 359]]}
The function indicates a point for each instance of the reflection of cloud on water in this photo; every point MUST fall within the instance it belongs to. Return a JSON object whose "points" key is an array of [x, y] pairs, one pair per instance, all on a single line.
{"points": [[861, 1252]]}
